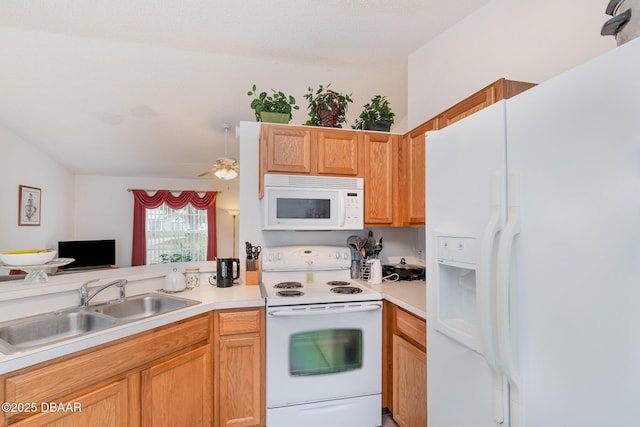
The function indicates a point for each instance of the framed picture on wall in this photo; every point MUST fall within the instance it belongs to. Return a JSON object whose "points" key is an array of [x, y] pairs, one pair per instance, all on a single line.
{"points": [[29, 205]]}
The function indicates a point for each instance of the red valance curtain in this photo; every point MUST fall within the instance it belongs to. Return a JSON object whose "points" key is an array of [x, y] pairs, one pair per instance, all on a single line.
{"points": [[143, 201]]}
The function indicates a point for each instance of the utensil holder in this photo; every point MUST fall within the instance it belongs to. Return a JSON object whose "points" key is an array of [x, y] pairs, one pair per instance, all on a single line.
{"points": [[252, 274], [365, 269]]}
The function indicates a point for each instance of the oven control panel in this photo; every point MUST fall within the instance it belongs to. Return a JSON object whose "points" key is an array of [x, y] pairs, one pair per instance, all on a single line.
{"points": [[315, 257]]}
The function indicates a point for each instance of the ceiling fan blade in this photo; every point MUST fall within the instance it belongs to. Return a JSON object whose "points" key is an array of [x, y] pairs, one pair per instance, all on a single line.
{"points": [[205, 173]]}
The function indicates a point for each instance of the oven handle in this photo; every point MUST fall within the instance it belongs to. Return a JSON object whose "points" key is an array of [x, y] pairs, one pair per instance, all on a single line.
{"points": [[325, 311]]}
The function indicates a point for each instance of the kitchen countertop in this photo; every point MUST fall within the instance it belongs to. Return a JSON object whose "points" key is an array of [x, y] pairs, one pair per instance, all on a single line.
{"points": [[18, 299], [62, 291], [410, 295]]}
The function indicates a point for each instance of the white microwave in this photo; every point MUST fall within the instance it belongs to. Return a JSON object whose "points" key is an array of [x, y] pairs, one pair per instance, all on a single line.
{"points": [[299, 202]]}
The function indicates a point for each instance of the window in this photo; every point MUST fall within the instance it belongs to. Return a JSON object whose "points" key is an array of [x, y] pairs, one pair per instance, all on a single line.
{"points": [[176, 235], [181, 227]]}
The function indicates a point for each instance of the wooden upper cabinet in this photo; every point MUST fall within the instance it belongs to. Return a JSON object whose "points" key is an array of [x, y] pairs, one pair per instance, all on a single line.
{"points": [[496, 91], [380, 178], [412, 182], [470, 105], [412, 151], [309, 150], [338, 153], [286, 149]]}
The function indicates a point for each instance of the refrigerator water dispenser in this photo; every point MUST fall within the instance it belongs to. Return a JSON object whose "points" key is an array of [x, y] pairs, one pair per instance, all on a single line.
{"points": [[456, 315]]}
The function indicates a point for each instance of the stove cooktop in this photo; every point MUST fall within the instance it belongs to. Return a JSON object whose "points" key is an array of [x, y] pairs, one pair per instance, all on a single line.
{"points": [[296, 275], [290, 292]]}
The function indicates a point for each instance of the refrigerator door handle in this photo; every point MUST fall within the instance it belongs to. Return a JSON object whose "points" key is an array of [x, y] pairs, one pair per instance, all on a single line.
{"points": [[486, 313], [503, 271]]}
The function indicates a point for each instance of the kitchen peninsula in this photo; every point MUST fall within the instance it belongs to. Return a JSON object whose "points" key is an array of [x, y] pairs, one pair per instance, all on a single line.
{"points": [[150, 370], [128, 363]]}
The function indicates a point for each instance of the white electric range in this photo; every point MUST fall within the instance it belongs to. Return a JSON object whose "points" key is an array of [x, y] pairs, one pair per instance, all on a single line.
{"points": [[324, 340]]}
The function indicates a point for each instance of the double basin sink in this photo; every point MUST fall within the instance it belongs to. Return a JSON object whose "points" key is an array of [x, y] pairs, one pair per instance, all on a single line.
{"points": [[44, 329]]}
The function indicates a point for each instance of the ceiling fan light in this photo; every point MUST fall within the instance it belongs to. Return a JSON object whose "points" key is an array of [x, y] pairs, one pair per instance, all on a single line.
{"points": [[226, 173], [226, 167]]}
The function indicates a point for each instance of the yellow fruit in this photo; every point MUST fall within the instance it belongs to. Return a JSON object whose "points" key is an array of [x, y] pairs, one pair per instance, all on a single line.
{"points": [[26, 251]]}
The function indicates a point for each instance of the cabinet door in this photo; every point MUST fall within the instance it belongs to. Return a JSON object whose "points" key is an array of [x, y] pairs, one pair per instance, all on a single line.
{"points": [[338, 153], [286, 149], [178, 391], [412, 183], [380, 178], [409, 384], [240, 374], [468, 106], [107, 406]]}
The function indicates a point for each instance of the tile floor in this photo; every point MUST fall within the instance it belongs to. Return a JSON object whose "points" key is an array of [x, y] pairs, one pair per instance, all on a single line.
{"points": [[387, 421]]}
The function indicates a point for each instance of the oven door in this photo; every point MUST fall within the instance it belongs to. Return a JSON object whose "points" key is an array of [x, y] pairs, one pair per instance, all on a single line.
{"points": [[323, 352]]}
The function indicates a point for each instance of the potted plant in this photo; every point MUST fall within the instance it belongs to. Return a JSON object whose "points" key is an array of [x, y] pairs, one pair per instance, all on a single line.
{"points": [[376, 115], [274, 108], [327, 107]]}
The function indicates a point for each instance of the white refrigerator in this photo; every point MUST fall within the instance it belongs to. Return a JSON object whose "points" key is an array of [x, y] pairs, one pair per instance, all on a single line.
{"points": [[533, 252]]}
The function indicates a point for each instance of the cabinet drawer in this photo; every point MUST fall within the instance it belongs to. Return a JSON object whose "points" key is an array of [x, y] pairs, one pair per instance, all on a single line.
{"points": [[411, 327], [239, 322]]}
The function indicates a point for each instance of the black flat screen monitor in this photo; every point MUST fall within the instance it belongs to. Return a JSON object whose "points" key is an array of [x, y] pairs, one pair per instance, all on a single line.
{"points": [[88, 253]]}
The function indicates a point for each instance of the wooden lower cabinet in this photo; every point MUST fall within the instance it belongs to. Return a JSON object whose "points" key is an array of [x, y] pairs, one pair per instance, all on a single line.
{"points": [[404, 370], [178, 389], [240, 367], [409, 384], [175, 375], [106, 406]]}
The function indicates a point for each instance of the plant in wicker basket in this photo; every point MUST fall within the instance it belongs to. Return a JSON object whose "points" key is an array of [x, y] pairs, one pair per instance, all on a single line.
{"points": [[326, 107]]}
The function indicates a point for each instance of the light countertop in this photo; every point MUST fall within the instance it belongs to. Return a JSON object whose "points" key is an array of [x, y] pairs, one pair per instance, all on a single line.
{"points": [[23, 299], [19, 299], [410, 295]]}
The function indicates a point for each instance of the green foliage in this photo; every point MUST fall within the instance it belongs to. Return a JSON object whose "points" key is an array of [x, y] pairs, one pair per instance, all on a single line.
{"points": [[328, 100], [378, 110], [176, 257], [276, 103]]}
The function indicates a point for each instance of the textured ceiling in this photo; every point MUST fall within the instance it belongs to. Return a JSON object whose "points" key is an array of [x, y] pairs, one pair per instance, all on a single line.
{"points": [[142, 88]]}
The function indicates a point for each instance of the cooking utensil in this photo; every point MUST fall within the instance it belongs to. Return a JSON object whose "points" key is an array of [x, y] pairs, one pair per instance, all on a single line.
{"points": [[371, 242], [404, 271]]}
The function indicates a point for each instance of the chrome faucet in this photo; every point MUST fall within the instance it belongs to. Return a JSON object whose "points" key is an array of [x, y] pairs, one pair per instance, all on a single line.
{"points": [[84, 292]]}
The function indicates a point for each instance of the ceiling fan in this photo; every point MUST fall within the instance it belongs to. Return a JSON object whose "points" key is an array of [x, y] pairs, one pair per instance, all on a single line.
{"points": [[225, 167]]}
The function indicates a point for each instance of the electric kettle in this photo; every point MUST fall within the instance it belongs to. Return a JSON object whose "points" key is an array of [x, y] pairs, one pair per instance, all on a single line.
{"points": [[225, 271], [175, 282]]}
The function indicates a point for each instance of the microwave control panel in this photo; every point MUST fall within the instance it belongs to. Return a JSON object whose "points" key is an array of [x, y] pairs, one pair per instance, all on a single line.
{"points": [[354, 209]]}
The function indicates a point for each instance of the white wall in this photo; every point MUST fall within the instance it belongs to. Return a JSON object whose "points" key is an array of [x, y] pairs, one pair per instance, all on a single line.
{"points": [[526, 40], [104, 208], [23, 164]]}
